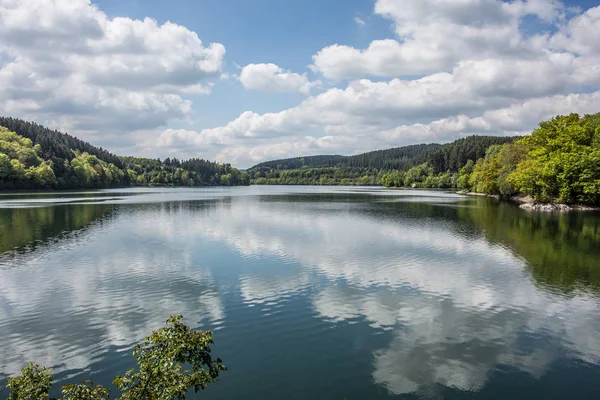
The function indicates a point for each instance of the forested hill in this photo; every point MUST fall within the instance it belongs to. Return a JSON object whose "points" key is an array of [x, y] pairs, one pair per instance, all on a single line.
{"points": [[35, 157], [55, 144], [443, 157], [302, 162], [368, 168]]}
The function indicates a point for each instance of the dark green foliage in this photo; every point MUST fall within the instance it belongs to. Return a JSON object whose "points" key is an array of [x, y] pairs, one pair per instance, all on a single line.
{"points": [[558, 162], [370, 168], [318, 176], [171, 361], [194, 172], [51, 159], [301, 162]]}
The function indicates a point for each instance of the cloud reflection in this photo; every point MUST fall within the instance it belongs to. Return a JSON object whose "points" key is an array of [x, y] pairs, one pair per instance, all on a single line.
{"points": [[459, 306], [67, 308]]}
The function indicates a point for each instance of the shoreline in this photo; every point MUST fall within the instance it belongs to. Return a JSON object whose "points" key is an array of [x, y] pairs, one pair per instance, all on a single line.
{"points": [[529, 204]]}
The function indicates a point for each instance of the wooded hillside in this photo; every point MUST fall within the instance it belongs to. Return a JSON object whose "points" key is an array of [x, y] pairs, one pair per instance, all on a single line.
{"points": [[35, 157], [369, 168]]}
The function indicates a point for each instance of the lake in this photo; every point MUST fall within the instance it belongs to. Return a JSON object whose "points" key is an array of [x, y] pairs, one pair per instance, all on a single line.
{"points": [[311, 292]]}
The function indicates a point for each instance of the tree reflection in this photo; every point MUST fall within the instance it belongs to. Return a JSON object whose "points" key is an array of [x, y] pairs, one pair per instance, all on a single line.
{"points": [[23, 229], [562, 250]]}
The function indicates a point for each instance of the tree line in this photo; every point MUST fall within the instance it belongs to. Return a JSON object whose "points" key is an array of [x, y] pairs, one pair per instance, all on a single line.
{"points": [[35, 157], [371, 168]]}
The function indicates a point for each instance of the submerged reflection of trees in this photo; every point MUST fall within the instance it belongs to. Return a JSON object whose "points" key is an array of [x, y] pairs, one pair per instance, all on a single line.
{"points": [[25, 229], [562, 250]]}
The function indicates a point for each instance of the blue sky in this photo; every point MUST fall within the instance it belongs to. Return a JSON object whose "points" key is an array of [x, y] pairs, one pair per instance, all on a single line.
{"points": [[292, 78], [286, 33]]}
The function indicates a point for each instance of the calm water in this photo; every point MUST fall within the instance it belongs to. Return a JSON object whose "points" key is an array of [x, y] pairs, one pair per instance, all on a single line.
{"points": [[312, 293]]}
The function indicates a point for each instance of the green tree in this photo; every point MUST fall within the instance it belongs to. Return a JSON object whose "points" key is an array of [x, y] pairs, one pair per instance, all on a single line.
{"points": [[5, 167], [33, 384], [416, 176], [561, 161], [484, 178], [171, 361], [85, 391], [464, 176], [77, 164]]}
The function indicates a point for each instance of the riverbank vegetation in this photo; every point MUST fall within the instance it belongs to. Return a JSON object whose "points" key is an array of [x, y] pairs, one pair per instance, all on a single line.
{"points": [[34, 157], [172, 361], [558, 162]]}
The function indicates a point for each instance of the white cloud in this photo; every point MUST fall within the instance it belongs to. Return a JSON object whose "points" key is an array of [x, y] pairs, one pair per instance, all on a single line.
{"points": [[513, 120], [67, 59], [368, 115], [577, 35], [254, 138], [359, 21], [434, 35], [271, 78]]}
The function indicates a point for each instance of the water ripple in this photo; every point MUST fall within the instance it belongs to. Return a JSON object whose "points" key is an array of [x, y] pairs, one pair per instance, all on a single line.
{"points": [[363, 293]]}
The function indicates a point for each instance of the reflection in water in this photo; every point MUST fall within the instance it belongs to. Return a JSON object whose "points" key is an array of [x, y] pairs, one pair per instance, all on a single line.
{"points": [[562, 250], [23, 229], [66, 307], [459, 305], [435, 293]]}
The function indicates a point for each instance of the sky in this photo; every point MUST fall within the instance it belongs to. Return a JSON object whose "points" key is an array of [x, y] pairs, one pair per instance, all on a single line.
{"points": [[244, 81]]}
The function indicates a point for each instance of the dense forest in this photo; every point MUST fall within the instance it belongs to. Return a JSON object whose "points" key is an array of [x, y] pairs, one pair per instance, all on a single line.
{"points": [[371, 168], [34, 157]]}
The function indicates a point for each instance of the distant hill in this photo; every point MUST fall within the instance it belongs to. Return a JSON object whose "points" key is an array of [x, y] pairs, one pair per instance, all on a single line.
{"points": [[35, 157], [368, 168], [443, 157]]}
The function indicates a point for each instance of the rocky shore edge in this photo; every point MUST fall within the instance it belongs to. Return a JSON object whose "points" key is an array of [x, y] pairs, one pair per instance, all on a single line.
{"points": [[528, 203]]}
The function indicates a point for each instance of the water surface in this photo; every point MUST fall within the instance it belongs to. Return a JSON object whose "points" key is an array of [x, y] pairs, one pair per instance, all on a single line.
{"points": [[320, 293]]}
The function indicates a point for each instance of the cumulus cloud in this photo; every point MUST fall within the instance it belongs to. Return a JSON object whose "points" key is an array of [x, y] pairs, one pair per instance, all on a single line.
{"points": [[272, 78], [67, 59], [575, 36], [365, 117], [433, 35]]}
